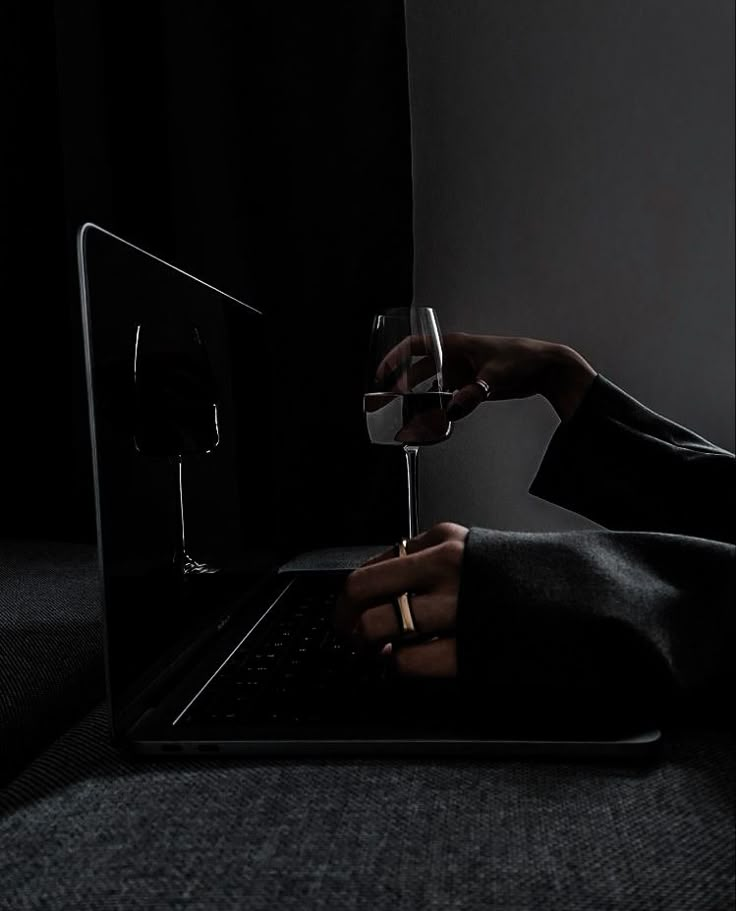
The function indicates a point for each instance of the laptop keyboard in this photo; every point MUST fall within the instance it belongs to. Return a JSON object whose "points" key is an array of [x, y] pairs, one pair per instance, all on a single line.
{"points": [[297, 671]]}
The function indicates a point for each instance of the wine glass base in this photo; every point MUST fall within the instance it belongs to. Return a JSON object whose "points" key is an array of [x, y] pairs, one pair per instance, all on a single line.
{"points": [[187, 566]]}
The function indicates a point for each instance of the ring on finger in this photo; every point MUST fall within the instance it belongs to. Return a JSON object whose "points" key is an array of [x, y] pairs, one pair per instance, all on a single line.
{"points": [[405, 615], [402, 604]]}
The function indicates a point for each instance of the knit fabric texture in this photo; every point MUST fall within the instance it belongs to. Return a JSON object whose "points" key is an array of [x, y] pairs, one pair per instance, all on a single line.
{"points": [[86, 829], [51, 670]]}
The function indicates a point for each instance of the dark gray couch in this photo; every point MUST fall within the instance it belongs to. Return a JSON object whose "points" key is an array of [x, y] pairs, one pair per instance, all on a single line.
{"points": [[83, 828]]}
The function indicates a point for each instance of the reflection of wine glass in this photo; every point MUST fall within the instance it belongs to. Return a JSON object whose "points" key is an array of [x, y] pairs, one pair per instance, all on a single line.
{"points": [[175, 408], [404, 401]]}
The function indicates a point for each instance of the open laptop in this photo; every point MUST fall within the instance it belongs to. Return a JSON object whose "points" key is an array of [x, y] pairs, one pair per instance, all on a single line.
{"points": [[217, 640]]}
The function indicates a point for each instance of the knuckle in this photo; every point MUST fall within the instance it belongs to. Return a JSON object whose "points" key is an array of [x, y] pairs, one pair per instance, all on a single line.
{"points": [[451, 552], [450, 531]]}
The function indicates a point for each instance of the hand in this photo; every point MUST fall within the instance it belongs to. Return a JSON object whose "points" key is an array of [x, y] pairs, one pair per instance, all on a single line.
{"points": [[431, 573], [512, 367]]}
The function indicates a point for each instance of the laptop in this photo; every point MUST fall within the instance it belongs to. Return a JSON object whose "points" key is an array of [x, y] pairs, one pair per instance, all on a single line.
{"points": [[219, 638]]}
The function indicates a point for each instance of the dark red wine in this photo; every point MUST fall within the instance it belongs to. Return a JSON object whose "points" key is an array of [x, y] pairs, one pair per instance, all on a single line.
{"points": [[415, 419], [176, 410]]}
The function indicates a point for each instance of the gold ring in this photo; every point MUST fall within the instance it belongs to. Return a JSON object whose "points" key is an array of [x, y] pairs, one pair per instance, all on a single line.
{"points": [[402, 603]]}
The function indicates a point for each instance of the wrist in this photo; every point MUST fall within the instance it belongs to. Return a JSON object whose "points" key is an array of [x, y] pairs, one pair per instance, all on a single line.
{"points": [[566, 377]]}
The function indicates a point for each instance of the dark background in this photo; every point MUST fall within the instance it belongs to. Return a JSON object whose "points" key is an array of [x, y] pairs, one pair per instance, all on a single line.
{"points": [[573, 174], [263, 147]]}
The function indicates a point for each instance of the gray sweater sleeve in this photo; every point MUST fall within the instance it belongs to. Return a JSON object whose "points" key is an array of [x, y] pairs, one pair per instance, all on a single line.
{"points": [[628, 468], [621, 616], [643, 614]]}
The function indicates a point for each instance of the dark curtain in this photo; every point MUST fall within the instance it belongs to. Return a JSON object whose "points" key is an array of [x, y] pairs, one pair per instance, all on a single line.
{"points": [[263, 147], [42, 477]]}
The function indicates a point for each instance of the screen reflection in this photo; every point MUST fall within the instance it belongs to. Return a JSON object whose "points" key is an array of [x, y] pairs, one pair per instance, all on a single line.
{"points": [[184, 477]]}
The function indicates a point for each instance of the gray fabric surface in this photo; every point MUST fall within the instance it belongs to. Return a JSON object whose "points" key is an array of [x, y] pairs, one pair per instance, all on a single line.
{"points": [[50, 644], [83, 828]]}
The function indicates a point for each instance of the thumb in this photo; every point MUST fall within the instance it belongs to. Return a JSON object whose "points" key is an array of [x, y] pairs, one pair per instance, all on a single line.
{"points": [[464, 401]]}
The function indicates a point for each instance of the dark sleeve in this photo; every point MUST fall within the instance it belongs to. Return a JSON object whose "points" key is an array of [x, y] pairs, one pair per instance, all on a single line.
{"points": [[614, 618], [626, 467]]}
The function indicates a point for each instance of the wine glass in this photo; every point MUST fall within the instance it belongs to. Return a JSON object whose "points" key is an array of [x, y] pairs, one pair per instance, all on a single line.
{"points": [[405, 403], [175, 409]]}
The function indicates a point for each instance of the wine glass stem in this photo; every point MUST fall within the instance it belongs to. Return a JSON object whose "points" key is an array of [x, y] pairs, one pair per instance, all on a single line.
{"points": [[412, 480], [182, 547]]}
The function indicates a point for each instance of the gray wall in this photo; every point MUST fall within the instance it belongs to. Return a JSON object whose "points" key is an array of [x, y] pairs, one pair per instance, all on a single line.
{"points": [[574, 181]]}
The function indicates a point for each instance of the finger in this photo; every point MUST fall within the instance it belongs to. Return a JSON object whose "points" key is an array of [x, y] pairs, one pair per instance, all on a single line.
{"points": [[437, 658], [434, 535], [400, 355], [464, 401], [431, 613], [420, 372], [428, 426], [408, 376]]}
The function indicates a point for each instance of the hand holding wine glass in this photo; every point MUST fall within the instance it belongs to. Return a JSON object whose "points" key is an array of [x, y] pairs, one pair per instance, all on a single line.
{"points": [[481, 368]]}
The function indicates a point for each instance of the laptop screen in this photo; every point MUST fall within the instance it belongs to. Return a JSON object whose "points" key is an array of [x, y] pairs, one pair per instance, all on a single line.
{"points": [[183, 469]]}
